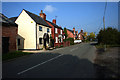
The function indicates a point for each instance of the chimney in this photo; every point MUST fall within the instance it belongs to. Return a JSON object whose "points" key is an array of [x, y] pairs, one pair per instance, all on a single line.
{"points": [[42, 15], [81, 30], [54, 21], [74, 29]]}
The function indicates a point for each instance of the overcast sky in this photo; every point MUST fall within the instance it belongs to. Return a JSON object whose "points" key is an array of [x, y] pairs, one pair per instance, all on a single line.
{"points": [[81, 15]]}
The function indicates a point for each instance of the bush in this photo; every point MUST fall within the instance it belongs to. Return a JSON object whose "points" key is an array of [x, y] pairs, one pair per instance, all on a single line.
{"points": [[69, 39], [61, 45], [108, 36]]}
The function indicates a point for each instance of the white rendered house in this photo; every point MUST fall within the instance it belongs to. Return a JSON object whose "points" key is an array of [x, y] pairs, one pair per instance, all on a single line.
{"points": [[33, 31]]}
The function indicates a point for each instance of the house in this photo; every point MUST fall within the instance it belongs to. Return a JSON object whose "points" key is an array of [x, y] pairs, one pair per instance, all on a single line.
{"points": [[81, 35], [72, 33], [9, 34], [56, 31], [33, 31]]}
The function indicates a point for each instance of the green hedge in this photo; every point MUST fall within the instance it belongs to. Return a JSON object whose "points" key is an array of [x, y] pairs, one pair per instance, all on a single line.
{"points": [[69, 39], [14, 54]]}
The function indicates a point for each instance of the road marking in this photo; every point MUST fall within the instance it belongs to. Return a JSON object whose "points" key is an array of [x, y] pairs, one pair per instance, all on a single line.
{"points": [[38, 64], [74, 49]]}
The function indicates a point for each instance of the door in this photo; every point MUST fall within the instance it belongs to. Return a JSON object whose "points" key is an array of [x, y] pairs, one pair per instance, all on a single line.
{"points": [[5, 44], [45, 43]]}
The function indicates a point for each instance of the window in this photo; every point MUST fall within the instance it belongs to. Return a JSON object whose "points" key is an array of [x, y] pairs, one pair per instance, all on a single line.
{"points": [[18, 42], [47, 29], [61, 31], [40, 40], [56, 40], [79, 35], [40, 28], [55, 30]]}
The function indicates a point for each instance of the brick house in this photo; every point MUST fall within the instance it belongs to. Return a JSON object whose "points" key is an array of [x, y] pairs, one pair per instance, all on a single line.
{"points": [[72, 33], [56, 31], [81, 35], [9, 34]]}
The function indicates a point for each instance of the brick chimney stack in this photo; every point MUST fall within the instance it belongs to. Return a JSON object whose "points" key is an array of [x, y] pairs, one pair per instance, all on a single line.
{"points": [[81, 30], [42, 15], [74, 29], [54, 21]]}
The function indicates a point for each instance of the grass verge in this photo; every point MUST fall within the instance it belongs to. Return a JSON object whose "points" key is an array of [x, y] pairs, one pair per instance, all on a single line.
{"points": [[14, 54]]}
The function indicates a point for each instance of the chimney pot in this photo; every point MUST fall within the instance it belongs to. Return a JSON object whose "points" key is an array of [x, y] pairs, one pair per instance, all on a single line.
{"points": [[54, 21]]}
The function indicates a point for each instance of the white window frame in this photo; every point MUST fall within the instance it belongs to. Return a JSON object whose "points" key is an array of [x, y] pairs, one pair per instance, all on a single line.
{"points": [[61, 31], [56, 30], [56, 39]]}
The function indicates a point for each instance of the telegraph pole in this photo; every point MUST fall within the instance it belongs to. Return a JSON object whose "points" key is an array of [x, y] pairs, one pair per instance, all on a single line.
{"points": [[104, 22]]}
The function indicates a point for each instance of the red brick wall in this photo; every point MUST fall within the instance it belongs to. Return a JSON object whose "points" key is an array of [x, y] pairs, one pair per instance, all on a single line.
{"points": [[70, 34], [10, 32]]}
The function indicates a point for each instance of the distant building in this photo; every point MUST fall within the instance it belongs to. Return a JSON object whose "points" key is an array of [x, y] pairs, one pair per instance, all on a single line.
{"points": [[33, 31], [81, 35], [9, 34], [72, 33]]}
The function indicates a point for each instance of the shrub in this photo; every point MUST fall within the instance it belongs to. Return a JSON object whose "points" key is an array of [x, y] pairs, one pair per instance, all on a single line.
{"points": [[108, 36]]}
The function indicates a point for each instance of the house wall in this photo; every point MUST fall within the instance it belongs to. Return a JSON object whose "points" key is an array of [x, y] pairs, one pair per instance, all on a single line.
{"points": [[27, 30], [57, 35], [70, 34], [40, 34], [11, 32], [52, 30]]}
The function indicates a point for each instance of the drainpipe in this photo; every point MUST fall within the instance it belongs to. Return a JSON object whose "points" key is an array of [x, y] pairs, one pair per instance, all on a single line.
{"points": [[36, 36]]}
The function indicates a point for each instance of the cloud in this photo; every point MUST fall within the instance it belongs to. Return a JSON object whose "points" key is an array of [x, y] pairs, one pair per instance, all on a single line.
{"points": [[49, 8]]}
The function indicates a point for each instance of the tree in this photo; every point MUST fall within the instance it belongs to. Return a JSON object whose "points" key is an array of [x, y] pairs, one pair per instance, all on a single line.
{"points": [[108, 36], [91, 36], [65, 31]]}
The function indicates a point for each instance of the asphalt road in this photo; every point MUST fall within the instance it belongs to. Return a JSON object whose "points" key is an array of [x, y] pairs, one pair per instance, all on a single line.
{"points": [[69, 62]]}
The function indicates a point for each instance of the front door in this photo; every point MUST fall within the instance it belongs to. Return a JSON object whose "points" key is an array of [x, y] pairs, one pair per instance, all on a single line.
{"points": [[5, 44], [45, 43]]}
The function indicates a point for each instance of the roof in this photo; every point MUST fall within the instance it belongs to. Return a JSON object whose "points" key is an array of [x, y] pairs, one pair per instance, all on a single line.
{"points": [[13, 19], [56, 26], [37, 18], [6, 21], [71, 30]]}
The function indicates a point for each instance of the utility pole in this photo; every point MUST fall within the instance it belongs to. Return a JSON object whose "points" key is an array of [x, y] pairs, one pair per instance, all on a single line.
{"points": [[104, 23]]}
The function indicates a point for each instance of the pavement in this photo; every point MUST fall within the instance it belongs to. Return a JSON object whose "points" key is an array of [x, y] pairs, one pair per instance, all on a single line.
{"points": [[75, 61]]}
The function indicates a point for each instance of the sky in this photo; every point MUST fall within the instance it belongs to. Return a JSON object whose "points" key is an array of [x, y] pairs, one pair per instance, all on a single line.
{"points": [[81, 15]]}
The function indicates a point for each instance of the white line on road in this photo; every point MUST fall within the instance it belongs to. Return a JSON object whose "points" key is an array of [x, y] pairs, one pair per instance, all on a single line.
{"points": [[74, 49], [38, 64]]}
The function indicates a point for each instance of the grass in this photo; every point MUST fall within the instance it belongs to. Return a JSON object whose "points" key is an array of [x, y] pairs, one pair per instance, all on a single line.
{"points": [[14, 54], [107, 46]]}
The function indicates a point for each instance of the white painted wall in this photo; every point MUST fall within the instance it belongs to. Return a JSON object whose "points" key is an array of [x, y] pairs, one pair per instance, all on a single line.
{"points": [[41, 33], [27, 30]]}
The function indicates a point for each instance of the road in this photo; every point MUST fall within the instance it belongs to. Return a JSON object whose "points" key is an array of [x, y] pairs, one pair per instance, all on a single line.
{"points": [[75, 61]]}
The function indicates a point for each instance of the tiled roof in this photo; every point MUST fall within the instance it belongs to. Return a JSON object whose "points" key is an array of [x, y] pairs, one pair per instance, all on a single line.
{"points": [[71, 30], [37, 18], [56, 26], [7, 21], [13, 19]]}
